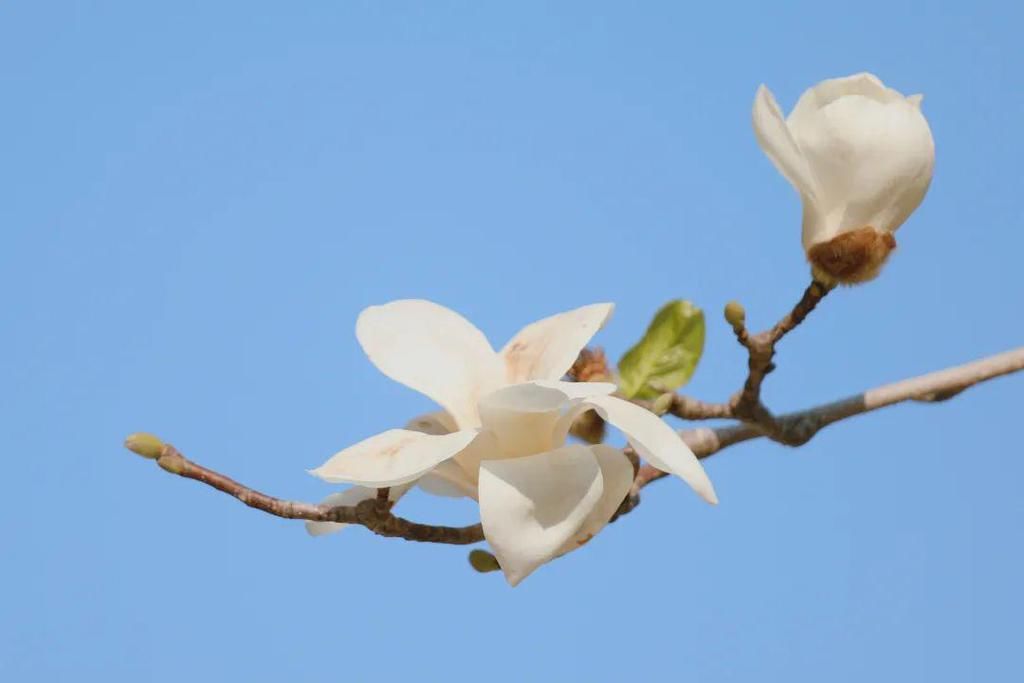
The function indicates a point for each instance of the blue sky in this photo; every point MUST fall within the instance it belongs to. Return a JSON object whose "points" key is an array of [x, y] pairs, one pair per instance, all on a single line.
{"points": [[199, 198]]}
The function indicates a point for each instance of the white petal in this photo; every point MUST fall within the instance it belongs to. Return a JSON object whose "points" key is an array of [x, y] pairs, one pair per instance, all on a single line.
{"points": [[394, 457], [351, 496], [578, 389], [872, 153], [617, 479], [448, 480], [530, 507], [483, 447], [547, 348], [655, 441], [560, 432], [436, 423], [828, 91], [522, 418], [433, 350], [776, 141]]}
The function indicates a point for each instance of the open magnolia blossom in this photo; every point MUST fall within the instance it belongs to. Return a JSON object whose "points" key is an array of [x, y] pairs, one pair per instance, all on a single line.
{"points": [[502, 440], [861, 156], [437, 352], [539, 497]]}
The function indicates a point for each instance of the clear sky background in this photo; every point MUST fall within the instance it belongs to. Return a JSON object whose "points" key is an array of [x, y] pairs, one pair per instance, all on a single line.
{"points": [[198, 199]]}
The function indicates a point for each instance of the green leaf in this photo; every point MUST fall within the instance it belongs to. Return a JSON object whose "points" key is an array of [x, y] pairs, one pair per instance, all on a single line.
{"points": [[666, 357]]}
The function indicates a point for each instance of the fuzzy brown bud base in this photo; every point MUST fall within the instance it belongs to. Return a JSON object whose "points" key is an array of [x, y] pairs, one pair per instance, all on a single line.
{"points": [[852, 257]]}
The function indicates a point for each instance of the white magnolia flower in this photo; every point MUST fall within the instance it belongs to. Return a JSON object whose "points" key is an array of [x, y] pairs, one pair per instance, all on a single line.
{"points": [[539, 497], [437, 352], [861, 156]]}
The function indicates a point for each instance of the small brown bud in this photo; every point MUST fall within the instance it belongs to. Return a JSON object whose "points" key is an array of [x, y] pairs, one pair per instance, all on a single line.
{"points": [[483, 561], [589, 427], [591, 366]]}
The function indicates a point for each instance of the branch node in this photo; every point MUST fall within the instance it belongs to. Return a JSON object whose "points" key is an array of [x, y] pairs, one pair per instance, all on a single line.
{"points": [[940, 396], [171, 460]]}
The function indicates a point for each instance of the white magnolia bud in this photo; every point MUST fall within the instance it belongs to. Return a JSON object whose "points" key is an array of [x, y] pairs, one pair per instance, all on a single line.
{"points": [[861, 156]]}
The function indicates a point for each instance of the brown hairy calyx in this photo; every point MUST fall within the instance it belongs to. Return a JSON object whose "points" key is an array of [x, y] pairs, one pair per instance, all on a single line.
{"points": [[852, 257]]}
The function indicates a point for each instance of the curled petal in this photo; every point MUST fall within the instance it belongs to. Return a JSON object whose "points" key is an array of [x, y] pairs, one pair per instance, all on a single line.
{"points": [[562, 428], [578, 389], [617, 478], [394, 457], [531, 507], [828, 91], [776, 141], [655, 441], [522, 417], [433, 350], [547, 348], [351, 496]]}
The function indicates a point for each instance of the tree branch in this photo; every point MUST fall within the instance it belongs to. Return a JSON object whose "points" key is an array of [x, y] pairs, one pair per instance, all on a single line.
{"points": [[792, 429], [746, 405], [688, 408], [374, 514], [796, 429]]}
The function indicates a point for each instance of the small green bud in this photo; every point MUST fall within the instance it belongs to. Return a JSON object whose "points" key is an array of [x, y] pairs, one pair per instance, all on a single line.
{"points": [[735, 315], [663, 403], [146, 445], [483, 561]]}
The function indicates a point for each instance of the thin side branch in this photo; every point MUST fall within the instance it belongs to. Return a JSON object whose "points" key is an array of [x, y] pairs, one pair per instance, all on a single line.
{"points": [[689, 408], [747, 405], [814, 293], [374, 514]]}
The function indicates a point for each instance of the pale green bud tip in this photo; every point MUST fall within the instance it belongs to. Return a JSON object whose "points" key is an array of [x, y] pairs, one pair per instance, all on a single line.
{"points": [[735, 315], [146, 445], [483, 561], [663, 403]]}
